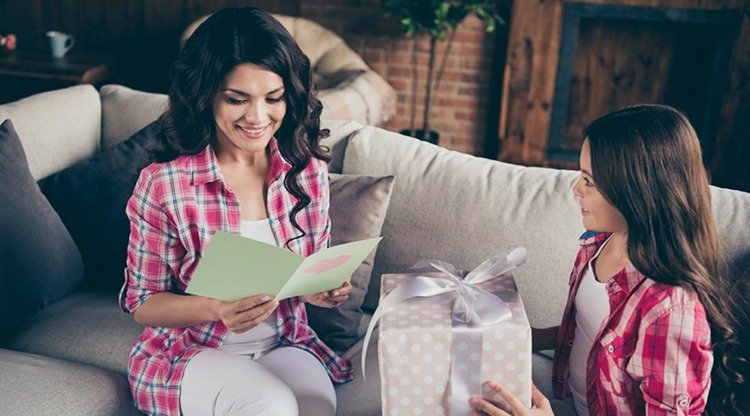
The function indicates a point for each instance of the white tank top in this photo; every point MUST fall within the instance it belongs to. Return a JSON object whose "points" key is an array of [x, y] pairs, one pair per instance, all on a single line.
{"points": [[592, 307], [262, 337]]}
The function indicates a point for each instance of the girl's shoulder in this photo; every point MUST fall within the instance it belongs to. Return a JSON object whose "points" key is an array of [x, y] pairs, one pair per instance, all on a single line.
{"points": [[657, 299]]}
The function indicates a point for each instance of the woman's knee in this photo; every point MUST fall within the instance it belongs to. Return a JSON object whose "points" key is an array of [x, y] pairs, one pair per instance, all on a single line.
{"points": [[259, 394], [216, 382], [273, 397]]}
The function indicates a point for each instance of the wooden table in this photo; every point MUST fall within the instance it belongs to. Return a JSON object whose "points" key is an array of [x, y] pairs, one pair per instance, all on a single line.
{"points": [[26, 73]]}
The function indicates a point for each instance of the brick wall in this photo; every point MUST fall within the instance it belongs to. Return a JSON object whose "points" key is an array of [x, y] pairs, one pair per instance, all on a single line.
{"points": [[464, 105]]}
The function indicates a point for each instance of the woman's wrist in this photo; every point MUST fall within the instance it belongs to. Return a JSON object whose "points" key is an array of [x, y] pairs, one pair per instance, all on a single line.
{"points": [[210, 308]]}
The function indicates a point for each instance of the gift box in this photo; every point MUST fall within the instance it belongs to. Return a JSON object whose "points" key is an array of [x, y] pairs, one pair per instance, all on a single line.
{"points": [[431, 362]]}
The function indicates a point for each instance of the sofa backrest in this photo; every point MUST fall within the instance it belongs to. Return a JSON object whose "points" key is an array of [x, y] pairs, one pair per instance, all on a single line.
{"points": [[57, 128], [125, 111], [445, 205], [61, 127], [461, 209], [732, 215]]}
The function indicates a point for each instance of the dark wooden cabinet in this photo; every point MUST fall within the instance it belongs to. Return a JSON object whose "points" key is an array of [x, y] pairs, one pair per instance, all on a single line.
{"points": [[569, 62], [26, 73]]}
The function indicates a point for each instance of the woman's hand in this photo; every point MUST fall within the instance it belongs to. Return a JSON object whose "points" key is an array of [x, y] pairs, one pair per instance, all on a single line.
{"points": [[540, 404], [330, 299], [244, 314]]}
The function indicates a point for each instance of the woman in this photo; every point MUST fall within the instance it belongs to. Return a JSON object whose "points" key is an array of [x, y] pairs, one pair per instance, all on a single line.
{"points": [[646, 328], [240, 152]]}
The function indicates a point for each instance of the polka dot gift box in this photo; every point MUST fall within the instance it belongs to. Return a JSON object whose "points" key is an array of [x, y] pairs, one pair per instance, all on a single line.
{"points": [[419, 338]]}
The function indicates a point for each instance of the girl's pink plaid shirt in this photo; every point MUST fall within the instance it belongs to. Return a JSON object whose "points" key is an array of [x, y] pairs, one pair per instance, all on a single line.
{"points": [[175, 209], [652, 355]]}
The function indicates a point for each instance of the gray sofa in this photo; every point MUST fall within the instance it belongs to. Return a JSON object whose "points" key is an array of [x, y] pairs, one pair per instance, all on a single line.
{"points": [[71, 358]]}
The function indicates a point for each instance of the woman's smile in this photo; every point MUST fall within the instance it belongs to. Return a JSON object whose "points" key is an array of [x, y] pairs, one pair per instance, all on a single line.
{"points": [[254, 132]]}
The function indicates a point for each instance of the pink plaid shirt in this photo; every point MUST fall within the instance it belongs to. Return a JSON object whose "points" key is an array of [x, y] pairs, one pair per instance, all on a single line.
{"points": [[652, 355], [175, 209]]}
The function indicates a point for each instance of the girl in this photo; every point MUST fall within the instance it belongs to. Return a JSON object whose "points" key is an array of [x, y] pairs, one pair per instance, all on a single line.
{"points": [[240, 152], [646, 329]]}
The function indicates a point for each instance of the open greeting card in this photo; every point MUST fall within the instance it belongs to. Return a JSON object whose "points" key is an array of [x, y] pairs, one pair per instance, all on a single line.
{"points": [[235, 267]]}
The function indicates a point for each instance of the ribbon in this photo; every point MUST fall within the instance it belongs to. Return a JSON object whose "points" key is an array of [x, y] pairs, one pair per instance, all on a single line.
{"points": [[472, 308]]}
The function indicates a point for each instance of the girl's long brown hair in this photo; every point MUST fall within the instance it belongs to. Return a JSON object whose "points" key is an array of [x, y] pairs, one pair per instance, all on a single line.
{"points": [[656, 179]]}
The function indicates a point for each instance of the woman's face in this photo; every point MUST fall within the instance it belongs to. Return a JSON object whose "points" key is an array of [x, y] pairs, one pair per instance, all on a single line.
{"points": [[598, 214], [248, 109]]}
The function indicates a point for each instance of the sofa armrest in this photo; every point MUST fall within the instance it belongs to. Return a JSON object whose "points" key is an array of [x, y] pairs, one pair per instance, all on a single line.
{"points": [[33, 384]]}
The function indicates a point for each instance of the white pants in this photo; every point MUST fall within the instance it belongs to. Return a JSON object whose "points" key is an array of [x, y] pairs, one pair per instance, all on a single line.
{"points": [[286, 381]]}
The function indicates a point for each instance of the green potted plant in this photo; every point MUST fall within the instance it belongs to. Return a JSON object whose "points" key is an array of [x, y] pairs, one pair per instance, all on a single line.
{"points": [[438, 20]]}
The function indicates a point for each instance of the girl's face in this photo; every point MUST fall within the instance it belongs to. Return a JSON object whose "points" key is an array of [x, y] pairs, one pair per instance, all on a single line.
{"points": [[248, 109], [598, 214]]}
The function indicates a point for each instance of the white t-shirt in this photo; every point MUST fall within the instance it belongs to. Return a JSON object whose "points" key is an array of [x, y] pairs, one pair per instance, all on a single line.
{"points": [[262, 337], [592, 307]]}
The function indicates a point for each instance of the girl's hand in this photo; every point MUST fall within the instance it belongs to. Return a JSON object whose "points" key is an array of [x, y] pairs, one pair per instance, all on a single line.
{"points": [[244, 314], [330, 299], [540, 404]]}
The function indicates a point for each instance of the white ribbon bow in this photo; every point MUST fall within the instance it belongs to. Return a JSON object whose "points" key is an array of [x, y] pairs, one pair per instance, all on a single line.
{"points": [[472, 308]]}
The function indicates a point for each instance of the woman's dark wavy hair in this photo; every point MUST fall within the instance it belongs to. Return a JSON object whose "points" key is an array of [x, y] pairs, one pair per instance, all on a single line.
{"points": [[226, 39], [650, 168]]}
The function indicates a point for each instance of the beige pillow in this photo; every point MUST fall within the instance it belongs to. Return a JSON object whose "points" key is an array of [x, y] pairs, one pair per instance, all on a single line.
{"points": [[125, 111], [358, 207]]}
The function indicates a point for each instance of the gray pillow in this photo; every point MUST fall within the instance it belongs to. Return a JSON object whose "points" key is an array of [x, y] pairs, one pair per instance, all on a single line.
{"points": [[39, 263], [358, 207], [90, 198]]}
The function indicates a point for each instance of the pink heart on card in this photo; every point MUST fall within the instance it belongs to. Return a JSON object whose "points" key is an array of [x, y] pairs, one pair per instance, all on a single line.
{"points": [[324, 265]]}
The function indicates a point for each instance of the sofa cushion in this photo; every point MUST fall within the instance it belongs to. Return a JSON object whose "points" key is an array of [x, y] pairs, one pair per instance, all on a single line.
{"points": [[361, 396], [125, 111], [90, 197], [731, 211], [39, 263], [57, 128], [335, 143], [86, 327], [36, 385], [462, 209], [358, 207]]}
